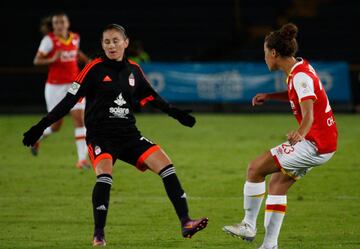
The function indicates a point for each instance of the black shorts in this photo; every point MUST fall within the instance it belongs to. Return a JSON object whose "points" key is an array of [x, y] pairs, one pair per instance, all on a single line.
{"points": [[131, 149]]}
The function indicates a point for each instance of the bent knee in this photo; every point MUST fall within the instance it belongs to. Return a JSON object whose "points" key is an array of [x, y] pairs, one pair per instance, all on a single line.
{"points": [[254, 172], [253, 168], [104, 167]]}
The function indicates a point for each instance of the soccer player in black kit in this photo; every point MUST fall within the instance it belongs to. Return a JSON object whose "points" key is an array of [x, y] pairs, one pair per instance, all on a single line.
{"points": [[113, 87]]}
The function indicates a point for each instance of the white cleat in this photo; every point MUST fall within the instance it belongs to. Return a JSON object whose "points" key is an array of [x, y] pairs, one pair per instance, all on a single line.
{"points": [[241, 230], [273, 247]]}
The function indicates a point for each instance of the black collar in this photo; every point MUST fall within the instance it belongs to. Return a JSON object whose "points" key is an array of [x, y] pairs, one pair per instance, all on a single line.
{"points": [[117, 65]]}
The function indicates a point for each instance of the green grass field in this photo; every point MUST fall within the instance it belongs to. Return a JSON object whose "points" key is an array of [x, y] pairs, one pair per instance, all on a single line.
{"points": [[45, 202]]}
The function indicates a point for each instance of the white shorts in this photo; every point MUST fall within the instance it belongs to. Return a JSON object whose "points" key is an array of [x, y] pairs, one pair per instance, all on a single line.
{"points": [[297, 160], [55, 93]]}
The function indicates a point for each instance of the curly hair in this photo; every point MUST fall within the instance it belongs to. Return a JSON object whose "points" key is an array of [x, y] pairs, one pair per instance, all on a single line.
{"points": [[283, 40]]}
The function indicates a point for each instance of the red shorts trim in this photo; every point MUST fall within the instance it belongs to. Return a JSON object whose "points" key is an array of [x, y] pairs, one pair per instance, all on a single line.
{"points": [[277, 162], [101, 157], [140, 162], [308, 97], [95, 160], [80, 137]]}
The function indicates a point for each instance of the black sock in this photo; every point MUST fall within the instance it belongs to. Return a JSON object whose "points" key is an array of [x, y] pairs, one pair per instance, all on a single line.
{"points": [[175, 192], [100, 200]]}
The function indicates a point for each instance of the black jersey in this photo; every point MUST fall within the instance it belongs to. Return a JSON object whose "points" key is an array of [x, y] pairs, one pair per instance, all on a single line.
{"points": [[112, 90]]}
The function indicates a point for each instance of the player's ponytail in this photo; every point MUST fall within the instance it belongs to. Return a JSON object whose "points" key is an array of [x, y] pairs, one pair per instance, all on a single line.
{"points": [[283, 40], [117, 27], [289, 31]]}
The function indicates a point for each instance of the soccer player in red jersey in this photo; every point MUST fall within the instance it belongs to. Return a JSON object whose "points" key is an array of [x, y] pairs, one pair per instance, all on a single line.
{"points": [[311, 145], [59, 50], [114, 87]]}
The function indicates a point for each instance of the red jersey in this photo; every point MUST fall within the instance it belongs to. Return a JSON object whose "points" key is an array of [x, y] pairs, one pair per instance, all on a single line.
{"points": [[303, 83], [65, 69]]}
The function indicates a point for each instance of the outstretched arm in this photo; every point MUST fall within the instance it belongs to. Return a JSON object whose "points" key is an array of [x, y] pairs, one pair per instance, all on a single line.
{"points": [[78, 89], [59, 111], [260, 98], [146, 94]]}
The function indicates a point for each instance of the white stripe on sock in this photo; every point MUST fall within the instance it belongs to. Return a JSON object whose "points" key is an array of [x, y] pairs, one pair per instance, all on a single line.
{"points": [[105, 179], [168, 172]]}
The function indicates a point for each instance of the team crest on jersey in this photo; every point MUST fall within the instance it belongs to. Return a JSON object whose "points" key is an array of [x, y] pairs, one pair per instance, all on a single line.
{"points": [[97, 150], [131, 80], [75, 42]]}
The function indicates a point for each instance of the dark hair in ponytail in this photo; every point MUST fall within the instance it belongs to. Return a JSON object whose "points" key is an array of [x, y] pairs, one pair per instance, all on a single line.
{"points": [[283, 40], [118, 27]]}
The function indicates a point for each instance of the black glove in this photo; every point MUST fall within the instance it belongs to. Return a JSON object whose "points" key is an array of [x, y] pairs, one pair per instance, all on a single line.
{"points": [[182, 116], [34, 133]]}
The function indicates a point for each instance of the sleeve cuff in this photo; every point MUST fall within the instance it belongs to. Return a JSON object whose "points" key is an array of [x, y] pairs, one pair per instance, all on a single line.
{"points": [[145, 100]]}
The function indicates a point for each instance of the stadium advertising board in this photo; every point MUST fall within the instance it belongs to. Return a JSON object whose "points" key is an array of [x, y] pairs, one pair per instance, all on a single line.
{"points": [[236, 82]]}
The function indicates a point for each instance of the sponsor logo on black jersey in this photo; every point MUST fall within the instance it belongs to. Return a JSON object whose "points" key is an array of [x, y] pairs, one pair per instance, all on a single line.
{"points": [[119, 112]]}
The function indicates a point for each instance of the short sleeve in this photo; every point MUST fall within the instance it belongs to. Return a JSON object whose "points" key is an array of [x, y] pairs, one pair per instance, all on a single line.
{"points": [[46, 45], [304, 86]]}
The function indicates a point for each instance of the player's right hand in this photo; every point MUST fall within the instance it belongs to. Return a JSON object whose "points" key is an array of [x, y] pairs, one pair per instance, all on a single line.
{"points": [[56, 56], [183, 116], [33, 135], [259, 99]]}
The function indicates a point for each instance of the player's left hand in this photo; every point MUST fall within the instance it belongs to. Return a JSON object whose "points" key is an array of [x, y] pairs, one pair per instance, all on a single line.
{"points": [[182, 116], [294, 137], [33, 135]]}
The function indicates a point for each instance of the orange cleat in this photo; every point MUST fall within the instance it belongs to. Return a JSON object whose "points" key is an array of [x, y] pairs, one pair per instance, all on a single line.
{"points": [[193, 226], [99, 241]]}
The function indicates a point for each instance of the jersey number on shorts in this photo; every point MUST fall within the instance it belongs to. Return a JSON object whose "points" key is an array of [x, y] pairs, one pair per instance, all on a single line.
{"points": [[287, 148]]}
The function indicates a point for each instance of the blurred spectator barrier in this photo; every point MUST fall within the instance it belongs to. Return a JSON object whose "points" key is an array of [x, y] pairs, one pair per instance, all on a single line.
{"points": [[236, 82]]}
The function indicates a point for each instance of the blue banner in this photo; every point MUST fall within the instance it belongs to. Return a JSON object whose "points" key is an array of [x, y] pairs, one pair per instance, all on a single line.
{"points": [[236, 82]]}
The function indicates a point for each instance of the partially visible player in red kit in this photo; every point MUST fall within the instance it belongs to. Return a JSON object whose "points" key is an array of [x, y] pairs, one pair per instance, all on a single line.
{"points": [[59, 50], [311, 145]]}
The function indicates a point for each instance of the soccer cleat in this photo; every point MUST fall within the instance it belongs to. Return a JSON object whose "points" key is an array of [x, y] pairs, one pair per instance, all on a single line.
{"points": [[273, 247], [35, 149], [193, 226], [99, 241], [241, 230], [83, 164], [99, 238]]}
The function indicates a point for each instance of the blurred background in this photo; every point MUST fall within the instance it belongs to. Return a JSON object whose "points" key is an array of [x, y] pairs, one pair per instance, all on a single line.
{"points": [[205, 54]]}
